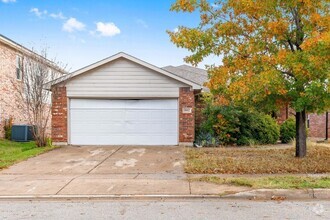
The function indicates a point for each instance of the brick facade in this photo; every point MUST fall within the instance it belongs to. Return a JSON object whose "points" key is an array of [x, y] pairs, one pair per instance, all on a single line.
{"points": [[10, 102], [59, 115], [199, 107], [315, 123], [186, 115], [284, 113]]}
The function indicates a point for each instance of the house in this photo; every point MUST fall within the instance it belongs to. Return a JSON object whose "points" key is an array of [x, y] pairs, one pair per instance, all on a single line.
{"points": [[11, 75], [123, 100]]}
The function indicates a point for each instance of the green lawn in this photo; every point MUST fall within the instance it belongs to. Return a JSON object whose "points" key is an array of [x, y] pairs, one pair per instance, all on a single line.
{"points": [[13, 152], [279, 182]]}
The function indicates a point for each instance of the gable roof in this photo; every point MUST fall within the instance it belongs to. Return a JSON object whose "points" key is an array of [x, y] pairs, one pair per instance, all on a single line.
{"points": [[190, 73], [20, 48], [83, 70]]}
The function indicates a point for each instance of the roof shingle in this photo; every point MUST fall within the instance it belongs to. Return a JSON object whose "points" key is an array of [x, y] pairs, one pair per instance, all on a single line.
{"points": [[190, 73]]}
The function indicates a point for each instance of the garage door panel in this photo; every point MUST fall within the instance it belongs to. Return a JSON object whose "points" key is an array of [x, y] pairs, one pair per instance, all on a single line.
{"points": [[151, 104], [103, 114], [97, 139], [123, 104], [152, 115], [124, 122], [150, 129], [96, 103], [101, 128], [151, 140]]}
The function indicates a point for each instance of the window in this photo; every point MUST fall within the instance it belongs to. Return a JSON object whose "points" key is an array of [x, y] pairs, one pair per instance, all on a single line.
{"points": [[18, 67]]}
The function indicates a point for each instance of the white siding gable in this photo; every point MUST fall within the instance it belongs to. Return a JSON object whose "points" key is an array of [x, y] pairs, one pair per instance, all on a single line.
{"points": [[123, 78]]}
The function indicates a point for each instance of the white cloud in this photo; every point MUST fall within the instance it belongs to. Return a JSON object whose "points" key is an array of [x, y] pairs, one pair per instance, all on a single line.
{"points": [[8, 1], [72, 25], [107, 29], [38, 13], [175, 30], [57, 16], [142, 23]]}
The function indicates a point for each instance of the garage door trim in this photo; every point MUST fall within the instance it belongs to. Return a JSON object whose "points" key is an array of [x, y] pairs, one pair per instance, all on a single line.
{"points": [[156, 110]]}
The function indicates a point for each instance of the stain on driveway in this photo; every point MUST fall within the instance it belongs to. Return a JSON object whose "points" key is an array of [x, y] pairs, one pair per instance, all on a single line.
{"points": [[98, 170], [104, 160]]}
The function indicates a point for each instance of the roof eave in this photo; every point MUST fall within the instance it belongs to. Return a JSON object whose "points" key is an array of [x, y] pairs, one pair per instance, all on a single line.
{"points": [[28, 52], [126, 56]]}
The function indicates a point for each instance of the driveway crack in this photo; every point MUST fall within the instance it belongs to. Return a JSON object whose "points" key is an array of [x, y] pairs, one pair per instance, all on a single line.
{"points": [[105, 159], [67, 184]]}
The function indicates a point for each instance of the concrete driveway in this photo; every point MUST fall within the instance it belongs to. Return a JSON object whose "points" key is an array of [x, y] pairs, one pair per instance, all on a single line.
{"points": [[113, 170], [123, 160]]}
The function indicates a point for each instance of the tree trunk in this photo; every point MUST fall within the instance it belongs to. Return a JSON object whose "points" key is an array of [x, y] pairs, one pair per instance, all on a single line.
{"points": [[301, 148]]}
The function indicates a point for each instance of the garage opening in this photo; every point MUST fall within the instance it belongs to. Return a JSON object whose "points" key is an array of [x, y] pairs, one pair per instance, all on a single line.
{"points": [[123, 122]]}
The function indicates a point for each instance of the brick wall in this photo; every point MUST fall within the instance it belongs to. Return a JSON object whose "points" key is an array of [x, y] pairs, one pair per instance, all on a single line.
{"points": [[316, 122], [284, 113], [59, 115], [199, 107], [186, 115], [10, 102], [317, 125]]}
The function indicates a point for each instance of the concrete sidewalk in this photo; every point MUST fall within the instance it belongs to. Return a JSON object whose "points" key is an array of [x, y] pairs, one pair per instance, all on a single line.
{"points": [[140, 186], [108, 184]]}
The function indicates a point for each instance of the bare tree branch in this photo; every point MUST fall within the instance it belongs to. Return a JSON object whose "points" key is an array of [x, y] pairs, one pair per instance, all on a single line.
{"points": [[35, 100]]}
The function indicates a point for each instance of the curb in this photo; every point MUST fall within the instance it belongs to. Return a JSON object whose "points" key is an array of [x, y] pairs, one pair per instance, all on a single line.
{"points": [[281, 194], [108, 197], [259, 194]]}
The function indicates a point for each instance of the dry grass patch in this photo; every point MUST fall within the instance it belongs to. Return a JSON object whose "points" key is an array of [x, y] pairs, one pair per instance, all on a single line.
{"points": [[257, 160], [280, 182]]}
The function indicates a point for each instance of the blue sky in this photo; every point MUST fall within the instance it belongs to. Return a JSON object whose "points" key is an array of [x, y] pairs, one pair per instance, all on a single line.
{"points": [[80, 32]]}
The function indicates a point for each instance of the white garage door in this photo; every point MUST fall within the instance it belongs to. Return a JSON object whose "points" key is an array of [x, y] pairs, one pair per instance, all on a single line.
{"points": [[123, 122]]}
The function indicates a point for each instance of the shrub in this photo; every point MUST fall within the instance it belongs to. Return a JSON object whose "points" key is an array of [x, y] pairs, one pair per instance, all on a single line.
{"points": [[237, 126], [270, 133], [257, 128], [288, 130], [222, 122], [7, 128], [206, 139]]}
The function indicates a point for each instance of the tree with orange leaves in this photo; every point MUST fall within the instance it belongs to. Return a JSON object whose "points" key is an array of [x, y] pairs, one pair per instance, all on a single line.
{"points": [[273, 51]]}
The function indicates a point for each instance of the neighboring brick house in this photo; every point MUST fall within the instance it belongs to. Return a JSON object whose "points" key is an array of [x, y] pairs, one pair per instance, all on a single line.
{"points": [[11, 55], [316, 123]]}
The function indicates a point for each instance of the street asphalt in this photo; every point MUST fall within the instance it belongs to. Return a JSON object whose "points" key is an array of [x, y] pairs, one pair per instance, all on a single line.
{"points": [[184, 209]]}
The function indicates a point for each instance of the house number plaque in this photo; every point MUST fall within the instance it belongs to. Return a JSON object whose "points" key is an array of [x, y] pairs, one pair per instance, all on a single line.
{"points": [[186, 110]]}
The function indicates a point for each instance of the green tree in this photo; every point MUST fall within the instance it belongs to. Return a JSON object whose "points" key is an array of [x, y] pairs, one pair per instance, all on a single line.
{"points": [[273, 52]]}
